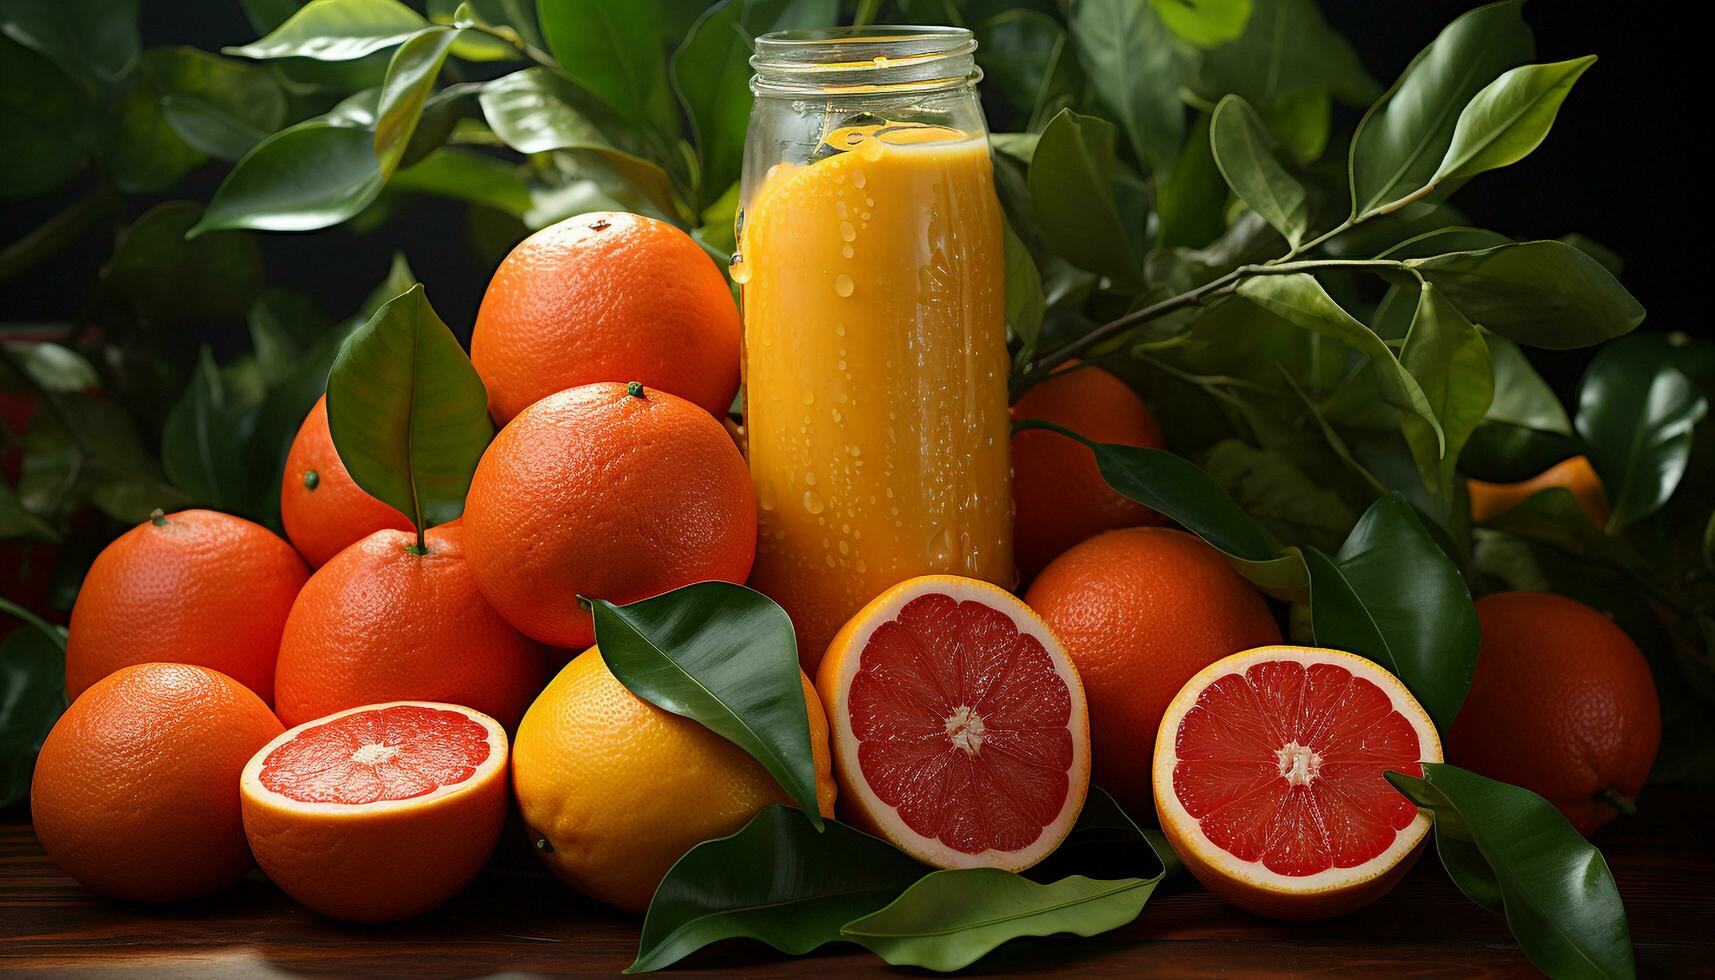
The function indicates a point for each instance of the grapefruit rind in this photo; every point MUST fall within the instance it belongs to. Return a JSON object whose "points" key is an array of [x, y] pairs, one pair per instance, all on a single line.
{"points": [[1248, 883], [834, 680]]}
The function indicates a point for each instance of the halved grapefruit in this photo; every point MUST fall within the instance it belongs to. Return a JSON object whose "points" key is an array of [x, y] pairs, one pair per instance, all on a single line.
{"points": [[1269, 781], [959, 727], [378, 813]]}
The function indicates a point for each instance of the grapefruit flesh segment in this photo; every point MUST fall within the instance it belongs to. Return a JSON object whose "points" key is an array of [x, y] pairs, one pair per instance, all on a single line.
{"points": [[960, 725], [1269, 779], [378, 813], [394, 753]]}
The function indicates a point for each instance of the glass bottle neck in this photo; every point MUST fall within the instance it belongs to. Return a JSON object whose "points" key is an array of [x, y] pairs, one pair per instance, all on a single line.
{"points": [[864, 61]]}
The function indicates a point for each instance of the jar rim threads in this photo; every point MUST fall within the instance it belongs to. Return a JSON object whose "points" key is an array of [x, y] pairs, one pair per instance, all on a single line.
{"points": [[864, 60]]}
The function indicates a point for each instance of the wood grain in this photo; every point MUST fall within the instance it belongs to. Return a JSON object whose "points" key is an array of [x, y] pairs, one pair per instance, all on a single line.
{"points": [[517, 919]]}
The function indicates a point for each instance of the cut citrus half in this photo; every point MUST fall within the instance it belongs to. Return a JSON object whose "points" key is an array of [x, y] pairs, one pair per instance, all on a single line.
{"points": [[958, 723], [378, 813], [1269, 780]]}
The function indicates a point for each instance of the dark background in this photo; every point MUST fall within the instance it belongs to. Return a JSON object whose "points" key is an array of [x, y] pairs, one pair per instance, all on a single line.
{"points": [[1619, 167]]}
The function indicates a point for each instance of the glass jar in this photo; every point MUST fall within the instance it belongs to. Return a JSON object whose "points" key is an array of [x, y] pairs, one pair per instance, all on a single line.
{"points": [[870, 262]]}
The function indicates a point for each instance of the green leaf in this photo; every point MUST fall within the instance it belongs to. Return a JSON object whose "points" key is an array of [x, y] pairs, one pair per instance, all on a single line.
{"points": [[535, 111], [462, 175], [1300, 299], [950, 919], [1393, 596], [724, 656], [1447, 356], [94, 36], [219, 107], [1271, 487], [1526, 429], [1071, 180], [1555, 517], [1205, 23], [40, 112], [1174, 487], [310, 176], [337, 30], [732, 887], [1510, 851], [167, 276], [1509, 118], [32, 675], [17, 521], [1541, 294], [410, 78], [88, 452], [1191, 200], [1017, 50], [1025, 302], [1402, 140], [1636, 412], [143, 154], [407, 411], [1286, 50], [203, 444], [48, 366], [615, 52], [1128, 57], [1245, 153]]}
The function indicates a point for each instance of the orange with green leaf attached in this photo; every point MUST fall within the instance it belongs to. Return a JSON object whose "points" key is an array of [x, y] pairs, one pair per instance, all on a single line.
{"points": [[323, 510], [1562, 703], [1575, 475]]}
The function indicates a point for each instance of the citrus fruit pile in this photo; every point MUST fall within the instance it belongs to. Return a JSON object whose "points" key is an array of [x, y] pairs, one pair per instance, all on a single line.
{"points": [[356, 707]]}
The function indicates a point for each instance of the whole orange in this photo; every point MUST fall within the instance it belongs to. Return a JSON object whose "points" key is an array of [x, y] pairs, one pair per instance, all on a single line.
{"points": [[195, 587], [607, 296], [1491, 500], [323, 510], [135, 793], [1142, 610], [1562, 703], [616, 789], [609, 491], [1058, 494], [383, 623]]}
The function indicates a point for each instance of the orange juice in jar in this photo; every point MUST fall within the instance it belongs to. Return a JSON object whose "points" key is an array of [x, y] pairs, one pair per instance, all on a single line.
{"points": [[870, 264]]}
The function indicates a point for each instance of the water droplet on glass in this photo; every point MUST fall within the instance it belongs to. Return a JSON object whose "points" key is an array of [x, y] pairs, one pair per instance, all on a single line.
{"points": [[847, 232], [813, 502], [858, 179], [847, 251], [842, 285], [940, 549]]}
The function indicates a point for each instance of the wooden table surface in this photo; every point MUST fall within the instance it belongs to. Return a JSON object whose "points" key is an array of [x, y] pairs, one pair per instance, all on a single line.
{"points": [[516, 919]]}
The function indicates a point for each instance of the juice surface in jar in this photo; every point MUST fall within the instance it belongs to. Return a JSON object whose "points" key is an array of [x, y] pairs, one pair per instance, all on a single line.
{"points": [[875, 372]]}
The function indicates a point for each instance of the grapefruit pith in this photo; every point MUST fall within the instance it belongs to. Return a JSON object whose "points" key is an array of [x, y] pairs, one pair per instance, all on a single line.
{"points": [[1269, 780], [958, 725], [378, 813]]}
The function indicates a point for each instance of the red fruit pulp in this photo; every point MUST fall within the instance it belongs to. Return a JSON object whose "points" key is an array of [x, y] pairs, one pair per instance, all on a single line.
{"points": [[393, 753]]}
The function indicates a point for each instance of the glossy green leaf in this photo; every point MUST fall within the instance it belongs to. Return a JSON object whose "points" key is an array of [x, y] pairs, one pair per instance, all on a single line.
{"points": [[1447, 356], [1287, 49], [1178, 489], [734, 887], [1017, 50], [1392, 595], [462, 175], [1071, 177], [219, 107], [950, 919], [1555, 517], [535, 111], [1301, 123], [1402, 140], [1510, 851], [203, 443], [1526, 429], [1025, 302], [1205, 23], [94, 36], [1245, 153], [1509, 118], [1541, 294], [18, 521], [165, 276], [1273, 488], [337, 30], [1105, 841], [615, 52], [1299, 299], [1636, 412], [310, 176], [46, 365], [724, 656], [1128, 56], [410, 79], [32, 678], [1191, 199], [407, 411]]}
